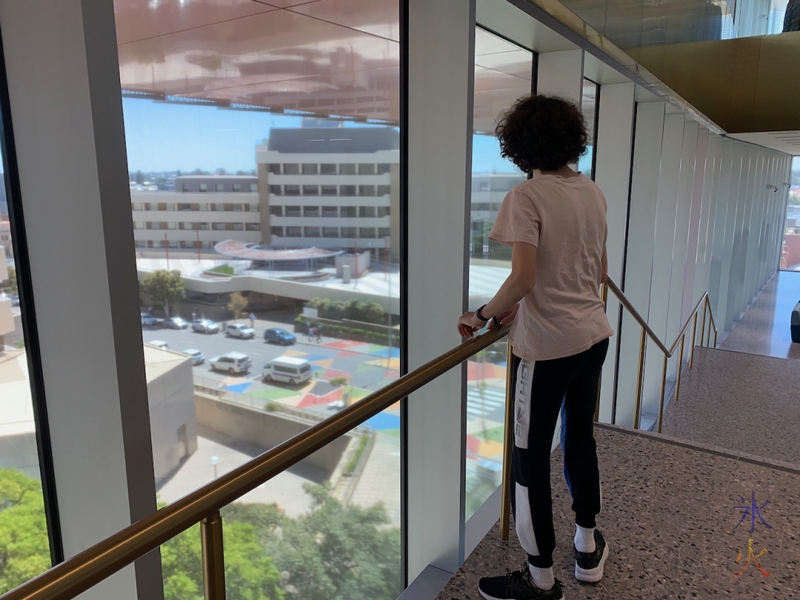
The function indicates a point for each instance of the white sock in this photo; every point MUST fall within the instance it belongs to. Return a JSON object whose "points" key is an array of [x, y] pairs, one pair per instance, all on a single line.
{"points": [[542, 578], [584, 539]]}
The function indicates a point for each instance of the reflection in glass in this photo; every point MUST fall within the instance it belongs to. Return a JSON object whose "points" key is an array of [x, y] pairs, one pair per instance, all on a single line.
{"points": [[589, 108], [294, 114], [24, 541], [790, 256], [502, 75]]}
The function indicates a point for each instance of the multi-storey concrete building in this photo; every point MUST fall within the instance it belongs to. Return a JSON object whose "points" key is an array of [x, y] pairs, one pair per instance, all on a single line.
{"points": [[202, 211], [330, 187], [324, 187]]}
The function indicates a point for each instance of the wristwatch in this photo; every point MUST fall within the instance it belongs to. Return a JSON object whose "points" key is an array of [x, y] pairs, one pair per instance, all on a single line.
{"points": [[479, 313]]}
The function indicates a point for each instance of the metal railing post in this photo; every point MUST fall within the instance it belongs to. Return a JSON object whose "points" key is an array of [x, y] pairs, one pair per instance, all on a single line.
{"points": [[508, 448], [680, 368], [640, 380], [663, 392], [213, 557], [703, 329], [694, 333]]}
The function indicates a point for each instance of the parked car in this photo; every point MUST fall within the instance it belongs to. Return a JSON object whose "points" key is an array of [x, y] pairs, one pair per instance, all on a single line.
{"points": [[150, 322], [279, 336], [239, 330], [159, 344], [232, 362], [176, 323], [205, 326], [198, 358], [288, 369]]}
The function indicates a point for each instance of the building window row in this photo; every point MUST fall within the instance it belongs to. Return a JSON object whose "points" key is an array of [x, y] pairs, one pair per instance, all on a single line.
{"points": [[330, 211], [330, 190], [219, 187], [197, 226], [331, 232], [182, 244], [194, 206], [329, 168]]}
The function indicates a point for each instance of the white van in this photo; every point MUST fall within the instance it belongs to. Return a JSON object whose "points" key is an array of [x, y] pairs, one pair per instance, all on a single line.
{"points": [[287, 369]]}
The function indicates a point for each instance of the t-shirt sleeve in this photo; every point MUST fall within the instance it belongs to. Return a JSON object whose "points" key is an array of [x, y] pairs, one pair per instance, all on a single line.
{"points": [[518, 220]]}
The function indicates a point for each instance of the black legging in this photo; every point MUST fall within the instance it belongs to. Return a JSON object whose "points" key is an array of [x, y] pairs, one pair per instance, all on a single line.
{"points": [[542, 389]]}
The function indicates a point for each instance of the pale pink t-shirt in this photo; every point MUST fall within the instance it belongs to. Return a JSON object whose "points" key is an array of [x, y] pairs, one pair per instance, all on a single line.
{"points": [[565, 218]]}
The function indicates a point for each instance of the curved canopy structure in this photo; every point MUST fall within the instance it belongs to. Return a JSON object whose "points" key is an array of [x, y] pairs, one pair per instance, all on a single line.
{"points": [[249, 251]]}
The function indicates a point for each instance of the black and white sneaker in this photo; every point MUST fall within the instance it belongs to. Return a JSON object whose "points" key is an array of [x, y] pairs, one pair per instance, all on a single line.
{"points": [[517, 586], [589, 565]]}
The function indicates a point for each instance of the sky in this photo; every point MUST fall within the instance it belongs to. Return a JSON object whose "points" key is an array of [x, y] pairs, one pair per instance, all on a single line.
{"points": [[165, 137]]}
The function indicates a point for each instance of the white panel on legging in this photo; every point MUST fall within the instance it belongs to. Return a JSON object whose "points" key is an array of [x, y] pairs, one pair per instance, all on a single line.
{"points": [[523, 522], [522, 403]]}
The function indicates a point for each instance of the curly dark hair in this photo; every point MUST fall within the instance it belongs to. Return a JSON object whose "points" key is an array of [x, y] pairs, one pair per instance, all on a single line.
{"points": [[542, 132]]}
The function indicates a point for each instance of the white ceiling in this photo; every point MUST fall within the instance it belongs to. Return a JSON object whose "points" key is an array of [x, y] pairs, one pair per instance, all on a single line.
{"points": [[783, 141]]}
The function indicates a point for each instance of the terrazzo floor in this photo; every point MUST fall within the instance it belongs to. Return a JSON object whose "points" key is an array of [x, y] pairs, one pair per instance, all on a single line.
{"points": [[670, 518], [764, 328], [742, 402]]}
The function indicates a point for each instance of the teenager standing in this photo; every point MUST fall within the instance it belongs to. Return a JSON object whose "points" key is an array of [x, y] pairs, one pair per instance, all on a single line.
{"points": [[555, 224]]}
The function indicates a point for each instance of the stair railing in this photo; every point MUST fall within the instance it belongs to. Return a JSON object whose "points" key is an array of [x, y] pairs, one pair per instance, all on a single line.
{"points": [[93, 565], [680, 340]]}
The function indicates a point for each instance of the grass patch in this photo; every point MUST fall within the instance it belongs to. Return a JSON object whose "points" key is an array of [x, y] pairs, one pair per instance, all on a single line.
{"points": [[350, 468], [224, 269]]}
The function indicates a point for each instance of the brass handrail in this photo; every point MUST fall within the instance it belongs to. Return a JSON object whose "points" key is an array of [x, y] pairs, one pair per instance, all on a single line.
{"points": [[105, 558], [668, 352]]}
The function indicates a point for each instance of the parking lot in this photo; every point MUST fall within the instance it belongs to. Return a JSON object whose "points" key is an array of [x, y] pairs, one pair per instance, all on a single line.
{"points": [[365, 370]]}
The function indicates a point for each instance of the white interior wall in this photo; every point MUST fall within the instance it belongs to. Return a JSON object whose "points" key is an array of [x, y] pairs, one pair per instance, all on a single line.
{"points": [[66, 109], [440, 75], [612, 175], [663, 246], [641, 233], [681, 258]]}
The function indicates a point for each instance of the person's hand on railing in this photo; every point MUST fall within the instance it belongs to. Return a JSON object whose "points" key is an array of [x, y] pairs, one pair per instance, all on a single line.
{"points": [[469, 322]]}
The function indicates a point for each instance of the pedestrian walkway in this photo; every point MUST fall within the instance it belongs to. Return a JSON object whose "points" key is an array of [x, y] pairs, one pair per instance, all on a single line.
{"points": [[488, 403], [764, 328]]}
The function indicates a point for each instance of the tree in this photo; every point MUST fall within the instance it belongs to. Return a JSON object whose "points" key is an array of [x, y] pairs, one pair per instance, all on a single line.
{"points": [[139, 177], [337, 552], [24, 545], [249, 573], [10, 285], [165, 287], [237, 304]]}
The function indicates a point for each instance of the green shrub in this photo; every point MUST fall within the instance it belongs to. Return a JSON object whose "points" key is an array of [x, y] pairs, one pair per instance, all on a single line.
{"points": [[338, 381]]}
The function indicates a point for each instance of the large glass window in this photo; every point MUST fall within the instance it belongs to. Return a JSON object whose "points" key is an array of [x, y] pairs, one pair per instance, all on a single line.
{"points": [[274, 103], [24, 541], [502, 75], [790, 255], [589, 108]]}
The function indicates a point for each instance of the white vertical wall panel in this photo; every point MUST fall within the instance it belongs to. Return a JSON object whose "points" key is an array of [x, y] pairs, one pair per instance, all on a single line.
{"points": [[612, 175], [441, 64], [720, 227], [663, 245], [561, 74], [63, 80], [729, 232], [694, 259], [680, 252], [739, 242], [705, 239], [641, 233]]}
